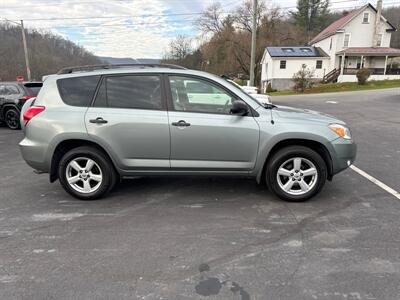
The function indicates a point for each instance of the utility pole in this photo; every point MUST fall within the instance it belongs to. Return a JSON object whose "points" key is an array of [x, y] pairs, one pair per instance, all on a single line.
{"points": [[253, 43], [28, 69]]}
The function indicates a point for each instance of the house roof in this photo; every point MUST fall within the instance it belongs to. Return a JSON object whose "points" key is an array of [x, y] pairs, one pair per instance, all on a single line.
{"points": [[371, 51], [340, 23], [289, 51]]}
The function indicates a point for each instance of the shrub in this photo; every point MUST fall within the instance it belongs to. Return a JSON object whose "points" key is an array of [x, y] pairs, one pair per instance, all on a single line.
{"points": [[303, 79], [362, 76]]}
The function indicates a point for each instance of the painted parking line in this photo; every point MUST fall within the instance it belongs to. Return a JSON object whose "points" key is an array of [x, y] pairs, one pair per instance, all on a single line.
{"points": [[376, 181]]}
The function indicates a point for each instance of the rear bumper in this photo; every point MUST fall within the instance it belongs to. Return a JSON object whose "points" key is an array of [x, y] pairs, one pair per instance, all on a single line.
{"points": [[35, 155], [344, 154]]}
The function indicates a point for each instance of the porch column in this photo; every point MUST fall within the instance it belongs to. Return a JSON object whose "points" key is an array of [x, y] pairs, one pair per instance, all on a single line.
{"points": [[362, 62], [386, 59], [342, 64]]}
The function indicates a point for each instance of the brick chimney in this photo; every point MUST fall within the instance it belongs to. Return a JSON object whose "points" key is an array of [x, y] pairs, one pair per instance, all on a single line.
{"points": [[377, 26]]}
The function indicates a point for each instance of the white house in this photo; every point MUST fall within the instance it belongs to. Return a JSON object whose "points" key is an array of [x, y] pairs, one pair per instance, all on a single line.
{"points": [[360, 39], [280, 63]]}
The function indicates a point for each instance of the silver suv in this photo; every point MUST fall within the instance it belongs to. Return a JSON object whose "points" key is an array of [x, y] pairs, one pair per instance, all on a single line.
{"points": [[89, 127]]}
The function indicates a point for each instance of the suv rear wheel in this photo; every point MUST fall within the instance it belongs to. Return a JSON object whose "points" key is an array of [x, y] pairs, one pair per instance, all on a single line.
{"points": [[11, 118], [86, 173], [296, 173]]}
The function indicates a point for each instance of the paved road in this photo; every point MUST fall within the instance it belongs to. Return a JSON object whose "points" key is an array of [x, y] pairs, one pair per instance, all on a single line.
{"points": [[210, 238]]}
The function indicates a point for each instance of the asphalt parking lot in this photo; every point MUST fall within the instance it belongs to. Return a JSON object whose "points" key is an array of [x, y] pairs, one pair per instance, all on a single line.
{"points": [[211, 238]]}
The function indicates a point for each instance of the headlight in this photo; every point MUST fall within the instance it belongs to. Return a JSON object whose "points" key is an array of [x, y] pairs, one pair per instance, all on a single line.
{"points": [[341, 131]]}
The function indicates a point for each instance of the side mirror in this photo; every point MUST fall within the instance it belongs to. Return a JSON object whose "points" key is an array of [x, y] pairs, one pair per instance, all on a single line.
{"points": [[239, 108]]}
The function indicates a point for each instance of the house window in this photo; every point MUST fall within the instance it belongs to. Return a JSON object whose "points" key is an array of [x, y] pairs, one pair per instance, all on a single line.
{"points": [[366, 18], [379, 38], [330, 45], [319, 64], [346, 42], [283, 64]]}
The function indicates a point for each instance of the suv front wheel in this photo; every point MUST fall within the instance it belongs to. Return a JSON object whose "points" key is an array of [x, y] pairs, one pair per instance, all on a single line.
{"points": [[296, 173], [86, 173]]}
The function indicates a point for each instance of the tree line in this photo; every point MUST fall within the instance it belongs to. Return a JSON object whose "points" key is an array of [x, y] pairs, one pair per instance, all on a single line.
{"points": [[48, 53], [224, 47]]}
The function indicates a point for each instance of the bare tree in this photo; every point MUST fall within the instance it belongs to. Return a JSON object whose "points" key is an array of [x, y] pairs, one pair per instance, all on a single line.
{"points": [[243, 15], [179, 48], [48, 53], [211, 21]]}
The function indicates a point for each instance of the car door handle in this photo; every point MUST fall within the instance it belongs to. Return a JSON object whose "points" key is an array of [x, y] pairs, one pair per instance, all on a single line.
{"points": [[181, 123], [98, 121]]}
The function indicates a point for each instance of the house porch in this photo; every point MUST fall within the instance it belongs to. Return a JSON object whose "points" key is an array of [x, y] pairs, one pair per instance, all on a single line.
{"points": [[383, 63]]}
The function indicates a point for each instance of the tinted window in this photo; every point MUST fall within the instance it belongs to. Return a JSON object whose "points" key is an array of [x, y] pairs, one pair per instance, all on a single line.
{"points": [[33, 88], [133, 91], [187, 97], [78, 91]]}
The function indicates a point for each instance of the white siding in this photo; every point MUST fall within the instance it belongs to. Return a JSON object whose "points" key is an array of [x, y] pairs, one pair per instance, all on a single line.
{"points": [[362, 34], [266, 67], [325, 45], [293, 65]]}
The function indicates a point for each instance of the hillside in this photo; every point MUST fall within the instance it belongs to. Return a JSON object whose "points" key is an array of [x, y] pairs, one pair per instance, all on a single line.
{"points": [[48, 53]]}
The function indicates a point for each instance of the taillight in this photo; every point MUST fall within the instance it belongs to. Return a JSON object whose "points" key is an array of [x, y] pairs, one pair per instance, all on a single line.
{"points": [[24, 98], [32, 112]]}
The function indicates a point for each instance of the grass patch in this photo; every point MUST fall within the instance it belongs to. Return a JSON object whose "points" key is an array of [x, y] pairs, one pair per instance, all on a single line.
{"points": [[342, 87]]}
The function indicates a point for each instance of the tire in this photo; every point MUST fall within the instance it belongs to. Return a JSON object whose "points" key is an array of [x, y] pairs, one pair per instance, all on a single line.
{"points": [[97, 178], [294, 183], [11, 118]]}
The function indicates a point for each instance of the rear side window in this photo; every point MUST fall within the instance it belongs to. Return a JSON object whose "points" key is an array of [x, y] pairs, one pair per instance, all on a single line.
{"points": [[78, 91], [130, 91]]}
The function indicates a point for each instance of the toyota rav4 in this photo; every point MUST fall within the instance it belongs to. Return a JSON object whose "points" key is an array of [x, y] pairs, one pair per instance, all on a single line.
{"points": [[91, 126]]}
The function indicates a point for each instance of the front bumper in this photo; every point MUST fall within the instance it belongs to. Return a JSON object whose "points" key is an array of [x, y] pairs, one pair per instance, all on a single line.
{"points": [[344, 154]]}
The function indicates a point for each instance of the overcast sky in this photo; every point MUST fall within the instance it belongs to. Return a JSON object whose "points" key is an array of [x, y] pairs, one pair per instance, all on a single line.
{"points": [[126, 28]]}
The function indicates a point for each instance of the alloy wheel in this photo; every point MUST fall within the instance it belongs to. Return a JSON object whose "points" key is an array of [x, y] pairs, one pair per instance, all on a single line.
{"points": [[297, 176], [84, 175]]}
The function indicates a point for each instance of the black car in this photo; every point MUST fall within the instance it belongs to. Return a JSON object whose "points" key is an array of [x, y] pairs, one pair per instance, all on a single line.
{"points": [[12, 97]]}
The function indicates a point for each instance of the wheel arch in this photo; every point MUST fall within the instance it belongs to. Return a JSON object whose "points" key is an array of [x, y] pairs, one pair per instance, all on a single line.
{"points": [[69, 144], [317, 146], [6, 107]]}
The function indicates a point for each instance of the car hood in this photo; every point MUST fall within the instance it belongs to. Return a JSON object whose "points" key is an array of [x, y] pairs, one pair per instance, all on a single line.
{"points": [[298, 114]]}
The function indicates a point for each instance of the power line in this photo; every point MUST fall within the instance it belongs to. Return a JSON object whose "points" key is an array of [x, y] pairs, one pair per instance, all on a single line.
{"points": [[113, 17], [60, 3], [128, 25]]}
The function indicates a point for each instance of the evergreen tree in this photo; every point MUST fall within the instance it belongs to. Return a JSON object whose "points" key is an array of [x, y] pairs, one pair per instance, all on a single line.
{"points": [[312, 16]]}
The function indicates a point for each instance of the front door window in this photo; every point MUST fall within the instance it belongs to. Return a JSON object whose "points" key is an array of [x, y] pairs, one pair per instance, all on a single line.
{"points": [[196, 95]]}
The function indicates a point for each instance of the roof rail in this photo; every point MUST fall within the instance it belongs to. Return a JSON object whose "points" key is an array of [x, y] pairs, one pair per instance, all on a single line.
{"points": [[87, 68]]}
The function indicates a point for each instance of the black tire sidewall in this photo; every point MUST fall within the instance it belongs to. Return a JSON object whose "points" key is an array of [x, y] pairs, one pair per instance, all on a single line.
{"points": [[12, 110], [104, 164], [289, 152]]}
